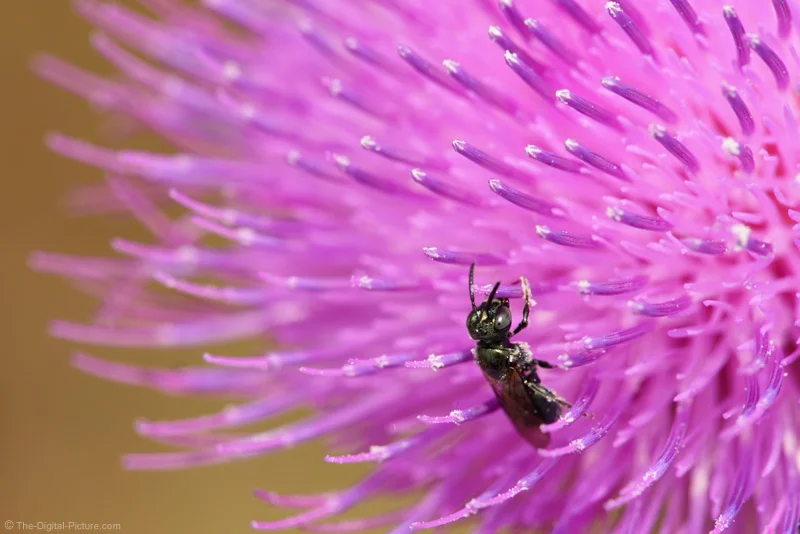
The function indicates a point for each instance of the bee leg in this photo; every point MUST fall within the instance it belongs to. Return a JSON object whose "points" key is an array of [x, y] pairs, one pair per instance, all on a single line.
{"points": [[533, 382], [532, 378], [526, 310], [547, 403], [563, 402], [524, 322], [550, 395]]}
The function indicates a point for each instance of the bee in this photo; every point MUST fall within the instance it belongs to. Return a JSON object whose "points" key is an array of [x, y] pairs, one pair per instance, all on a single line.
{"points": [[509, 367]]}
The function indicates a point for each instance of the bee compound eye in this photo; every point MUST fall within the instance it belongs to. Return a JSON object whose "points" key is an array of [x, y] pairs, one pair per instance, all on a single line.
{"points": [[502, 319]]}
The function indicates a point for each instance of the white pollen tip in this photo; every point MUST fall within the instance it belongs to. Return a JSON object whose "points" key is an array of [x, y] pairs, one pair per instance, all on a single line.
{"points": [[610, 81], [730, 146], [614, 213], [231, 70], [344, 161], [656, 130], [742, 233], [187, 254], [368, 142], [245, 236], [450, 65], [730, 89], [335, 86]]}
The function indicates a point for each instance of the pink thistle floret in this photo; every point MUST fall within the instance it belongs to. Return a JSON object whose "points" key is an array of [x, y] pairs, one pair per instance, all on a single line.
{"points": [[639, 164]]}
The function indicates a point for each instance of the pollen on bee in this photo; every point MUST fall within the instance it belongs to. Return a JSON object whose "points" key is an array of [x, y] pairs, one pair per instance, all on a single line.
{"points": [[525, 350], [526, 291]]}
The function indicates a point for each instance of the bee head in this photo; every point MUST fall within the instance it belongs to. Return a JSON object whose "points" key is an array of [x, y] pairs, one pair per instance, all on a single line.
{"points": [[491, 320]]}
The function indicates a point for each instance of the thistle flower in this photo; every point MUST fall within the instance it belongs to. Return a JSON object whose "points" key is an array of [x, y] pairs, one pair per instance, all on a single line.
{"points": [[639, 166]]}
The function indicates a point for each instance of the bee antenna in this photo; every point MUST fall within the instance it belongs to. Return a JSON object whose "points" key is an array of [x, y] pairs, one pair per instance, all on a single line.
{"points": [[494, 290], [472, 283]]}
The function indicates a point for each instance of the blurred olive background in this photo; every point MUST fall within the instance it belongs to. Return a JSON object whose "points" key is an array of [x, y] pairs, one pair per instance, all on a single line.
{"points": [[62, 432]]}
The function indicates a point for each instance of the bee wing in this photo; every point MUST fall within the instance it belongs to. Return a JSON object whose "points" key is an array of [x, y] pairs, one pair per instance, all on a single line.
{"points": [[524, 407]]}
